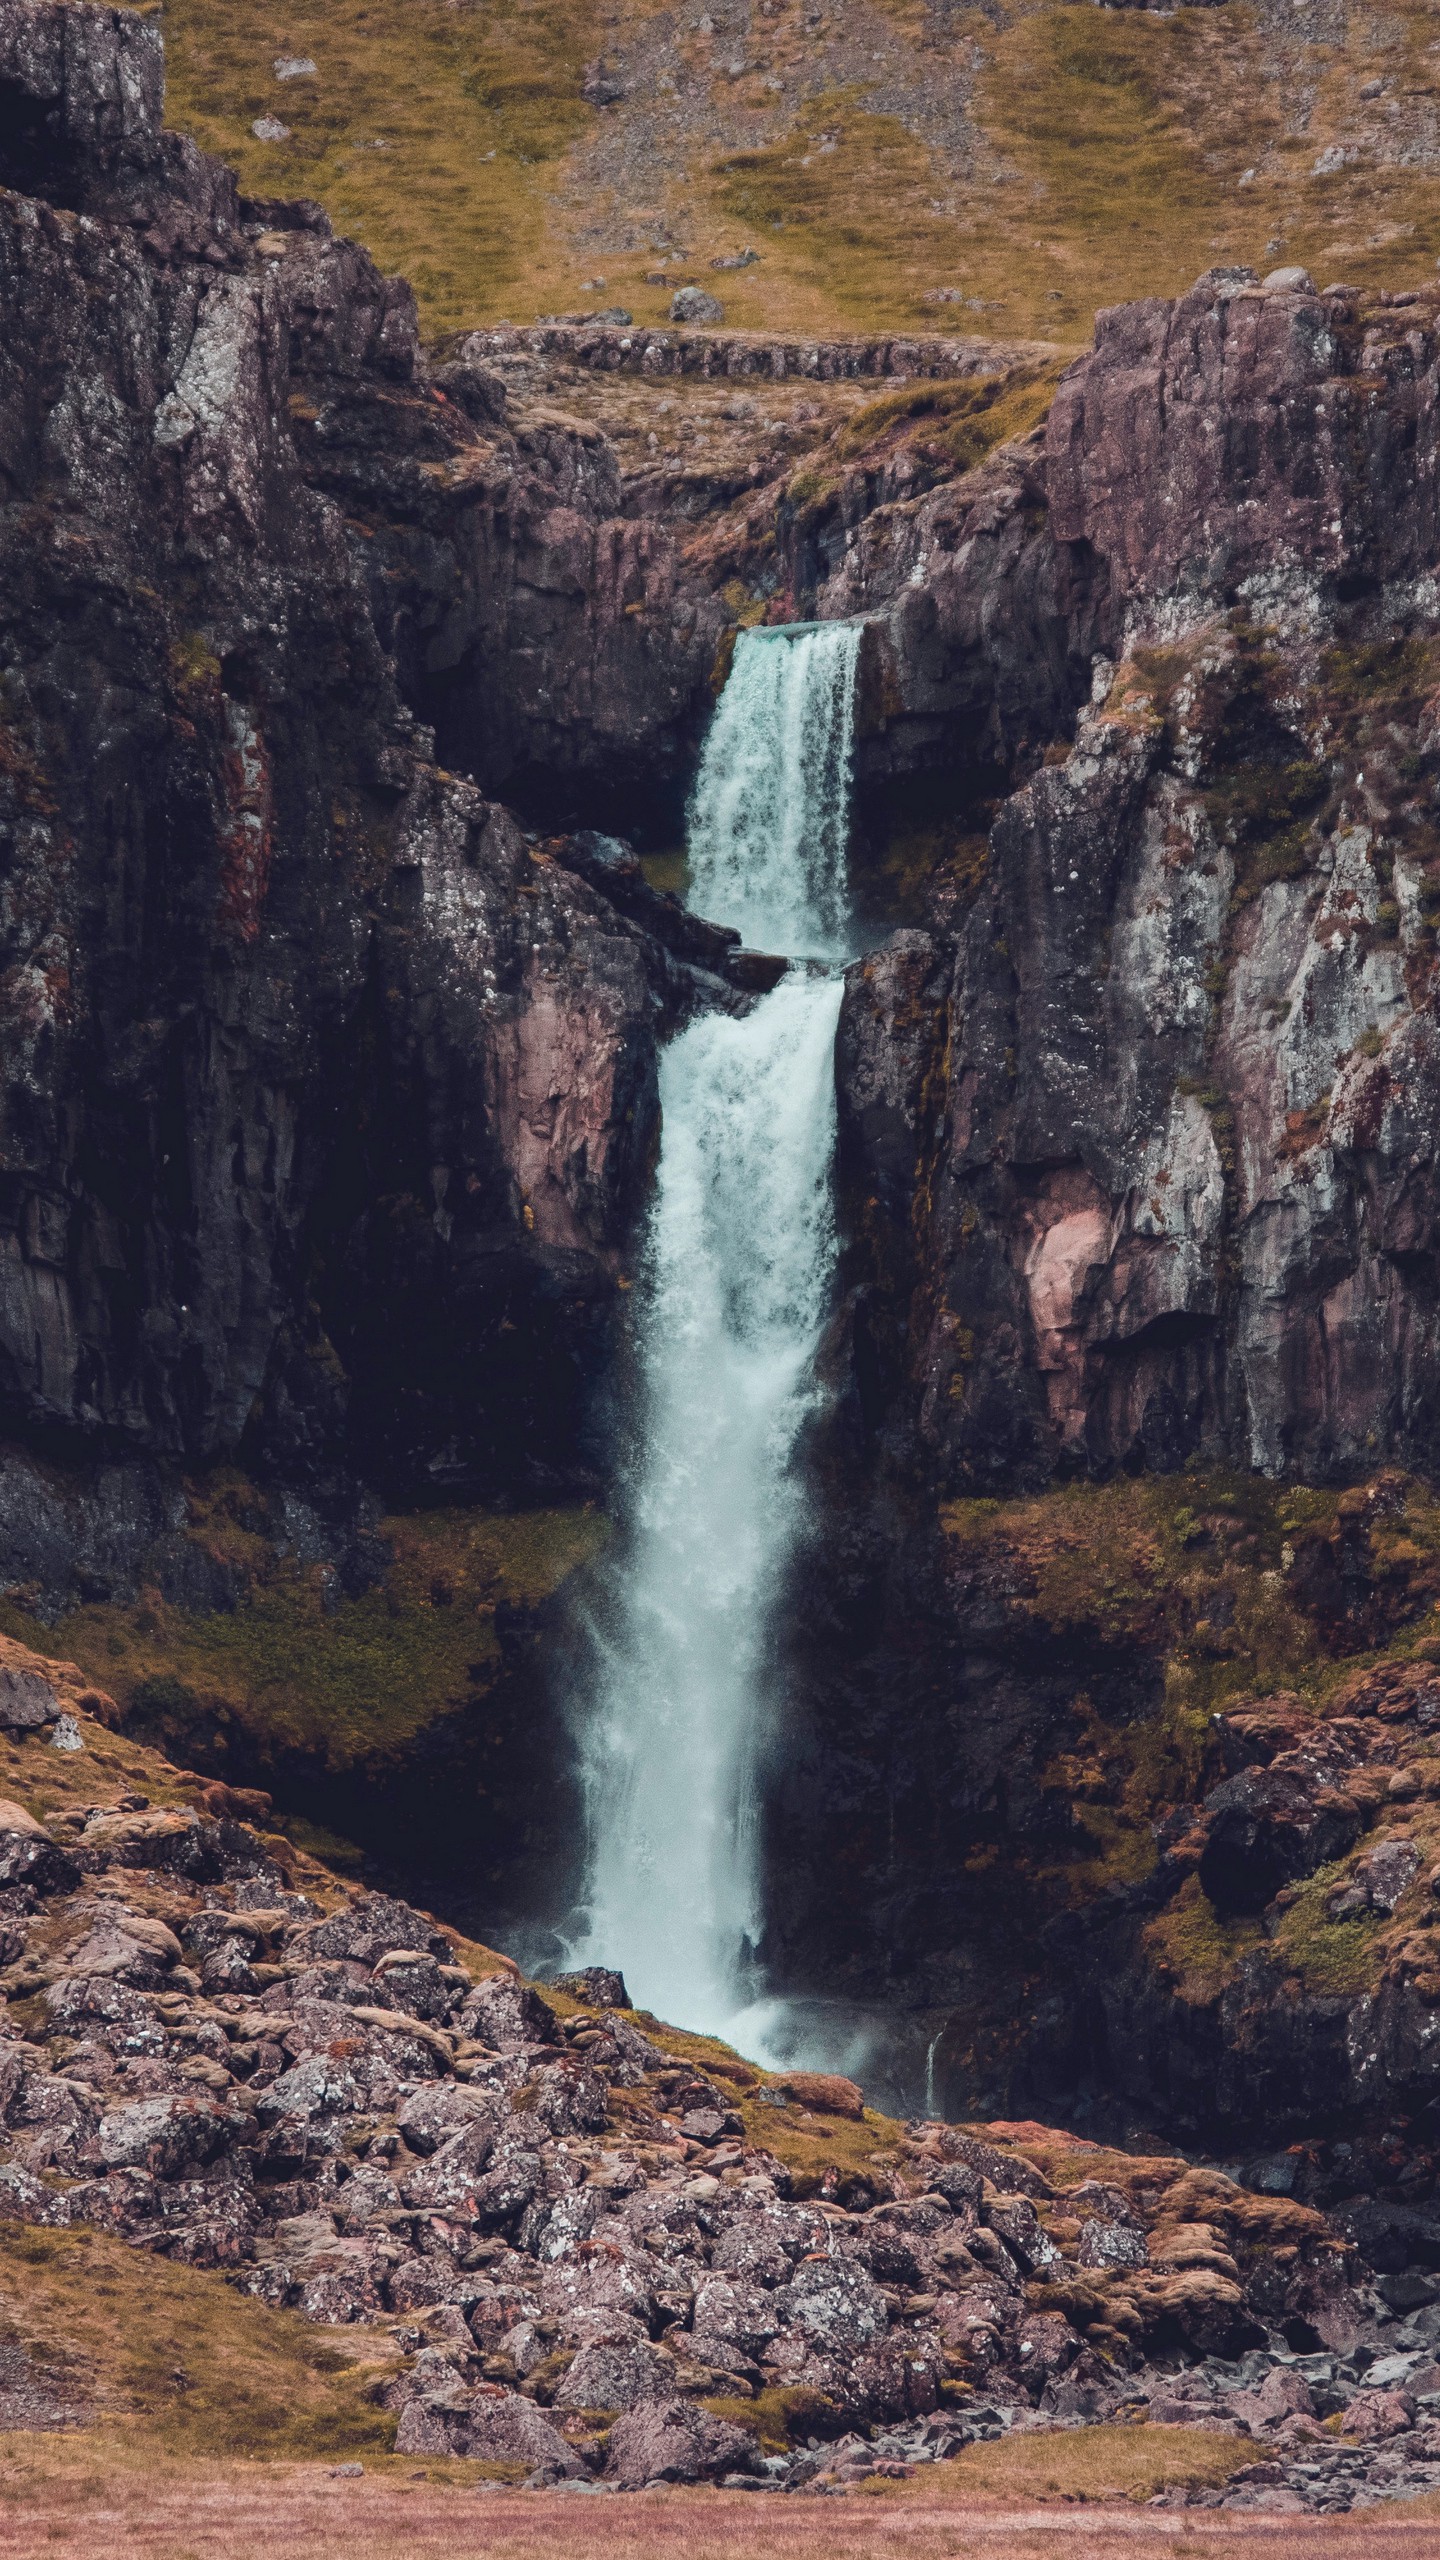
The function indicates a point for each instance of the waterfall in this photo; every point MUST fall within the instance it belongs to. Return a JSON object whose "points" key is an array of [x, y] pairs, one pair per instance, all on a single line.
{"points": [[733, 1291], [771, 813]]}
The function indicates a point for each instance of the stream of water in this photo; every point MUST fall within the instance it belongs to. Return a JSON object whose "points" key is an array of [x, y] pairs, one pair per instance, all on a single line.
{"points": [[734, 1290]]}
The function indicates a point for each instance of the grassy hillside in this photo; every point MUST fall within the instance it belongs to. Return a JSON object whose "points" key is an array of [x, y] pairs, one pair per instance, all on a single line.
{"points": [[1028, 163]]}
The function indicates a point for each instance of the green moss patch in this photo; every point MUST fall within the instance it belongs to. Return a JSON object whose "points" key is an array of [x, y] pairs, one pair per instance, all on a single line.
{"points": [[1226, 1583], [294, 1668]]}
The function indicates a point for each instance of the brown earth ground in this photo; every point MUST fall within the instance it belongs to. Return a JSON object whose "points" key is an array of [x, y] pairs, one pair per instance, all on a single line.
{"points": [[78, 2499]]}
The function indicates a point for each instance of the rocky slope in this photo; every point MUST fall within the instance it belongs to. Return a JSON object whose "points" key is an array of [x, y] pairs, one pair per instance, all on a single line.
{"points": [[591, 2247], [865, 165]]}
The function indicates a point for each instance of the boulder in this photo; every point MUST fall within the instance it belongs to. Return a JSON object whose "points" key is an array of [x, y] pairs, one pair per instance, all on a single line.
{"points": [[596, 1984], [1264, 1828], [1375, 2416], [673, 2440], [1209, 2309], [570, 2097], [693, 306], [434, 2114], [372, 1927], [503, 2427], [735, 2315], [1283, 2394], [506, 2013], [453, 2180], [15, 1821], [27, 1701], [616, 2375], [25, 2198], [32, 1858], [834, 2303], [1378, 1880], [164, 2136]]}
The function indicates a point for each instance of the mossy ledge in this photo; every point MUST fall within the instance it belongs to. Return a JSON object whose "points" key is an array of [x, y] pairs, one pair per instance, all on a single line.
{"points": [[392, 1704]]}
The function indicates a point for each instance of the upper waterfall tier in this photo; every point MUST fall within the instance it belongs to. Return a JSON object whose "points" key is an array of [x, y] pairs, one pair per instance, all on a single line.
{"points": [[770, 817]]}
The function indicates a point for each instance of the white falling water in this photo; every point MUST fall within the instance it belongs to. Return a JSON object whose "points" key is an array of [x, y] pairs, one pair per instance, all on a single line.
{"points": [[734, 1291], [770, 818]]}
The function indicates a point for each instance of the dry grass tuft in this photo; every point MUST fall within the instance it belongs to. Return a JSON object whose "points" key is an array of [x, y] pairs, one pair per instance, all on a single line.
{"points": [[178, 2364], [1080, 2466]]}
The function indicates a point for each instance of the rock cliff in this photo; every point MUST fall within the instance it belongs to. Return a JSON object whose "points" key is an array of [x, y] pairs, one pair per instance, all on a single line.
{"points": [[1160, 1103], [307, 1048]]}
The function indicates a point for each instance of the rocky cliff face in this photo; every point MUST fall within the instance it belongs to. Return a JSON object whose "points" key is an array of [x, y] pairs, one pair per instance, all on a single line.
{"points": [[1160, 1105], [308, 1051], [1135, 1153]]}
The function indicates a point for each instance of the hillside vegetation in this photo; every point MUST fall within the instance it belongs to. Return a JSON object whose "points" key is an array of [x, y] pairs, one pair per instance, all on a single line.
{"points": [[891, 163]]}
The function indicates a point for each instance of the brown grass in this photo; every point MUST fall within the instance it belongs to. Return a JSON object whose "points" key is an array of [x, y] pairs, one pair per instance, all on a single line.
{"points": [[177, 2363], [80, 2498], [1111, 150], [1083, 2466]]}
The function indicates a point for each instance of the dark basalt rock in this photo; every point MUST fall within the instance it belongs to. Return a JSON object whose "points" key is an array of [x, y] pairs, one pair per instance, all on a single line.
{"points": [[1265, 1828]]}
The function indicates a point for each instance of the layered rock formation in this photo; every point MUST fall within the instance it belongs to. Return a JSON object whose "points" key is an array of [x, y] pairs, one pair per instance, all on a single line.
{"points": [[1135, 1134]]}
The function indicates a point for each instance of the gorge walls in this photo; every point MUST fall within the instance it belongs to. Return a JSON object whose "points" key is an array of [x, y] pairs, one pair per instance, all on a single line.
{"points": [[330, 1086]]}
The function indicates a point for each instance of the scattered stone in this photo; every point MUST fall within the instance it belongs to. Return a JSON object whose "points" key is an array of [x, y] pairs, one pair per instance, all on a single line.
{"points": [[270, 129], [692, 306]]}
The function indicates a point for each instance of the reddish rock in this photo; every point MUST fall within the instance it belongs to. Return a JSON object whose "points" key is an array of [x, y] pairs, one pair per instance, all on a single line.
{"points": [[1373, 2417]]}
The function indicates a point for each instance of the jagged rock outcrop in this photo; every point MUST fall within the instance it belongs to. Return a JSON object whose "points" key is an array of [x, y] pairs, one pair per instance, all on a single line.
{"points": [[1157, 1173]]}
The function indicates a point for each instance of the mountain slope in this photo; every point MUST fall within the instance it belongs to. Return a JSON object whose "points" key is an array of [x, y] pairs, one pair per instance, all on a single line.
{"points": [[888, 161]]}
